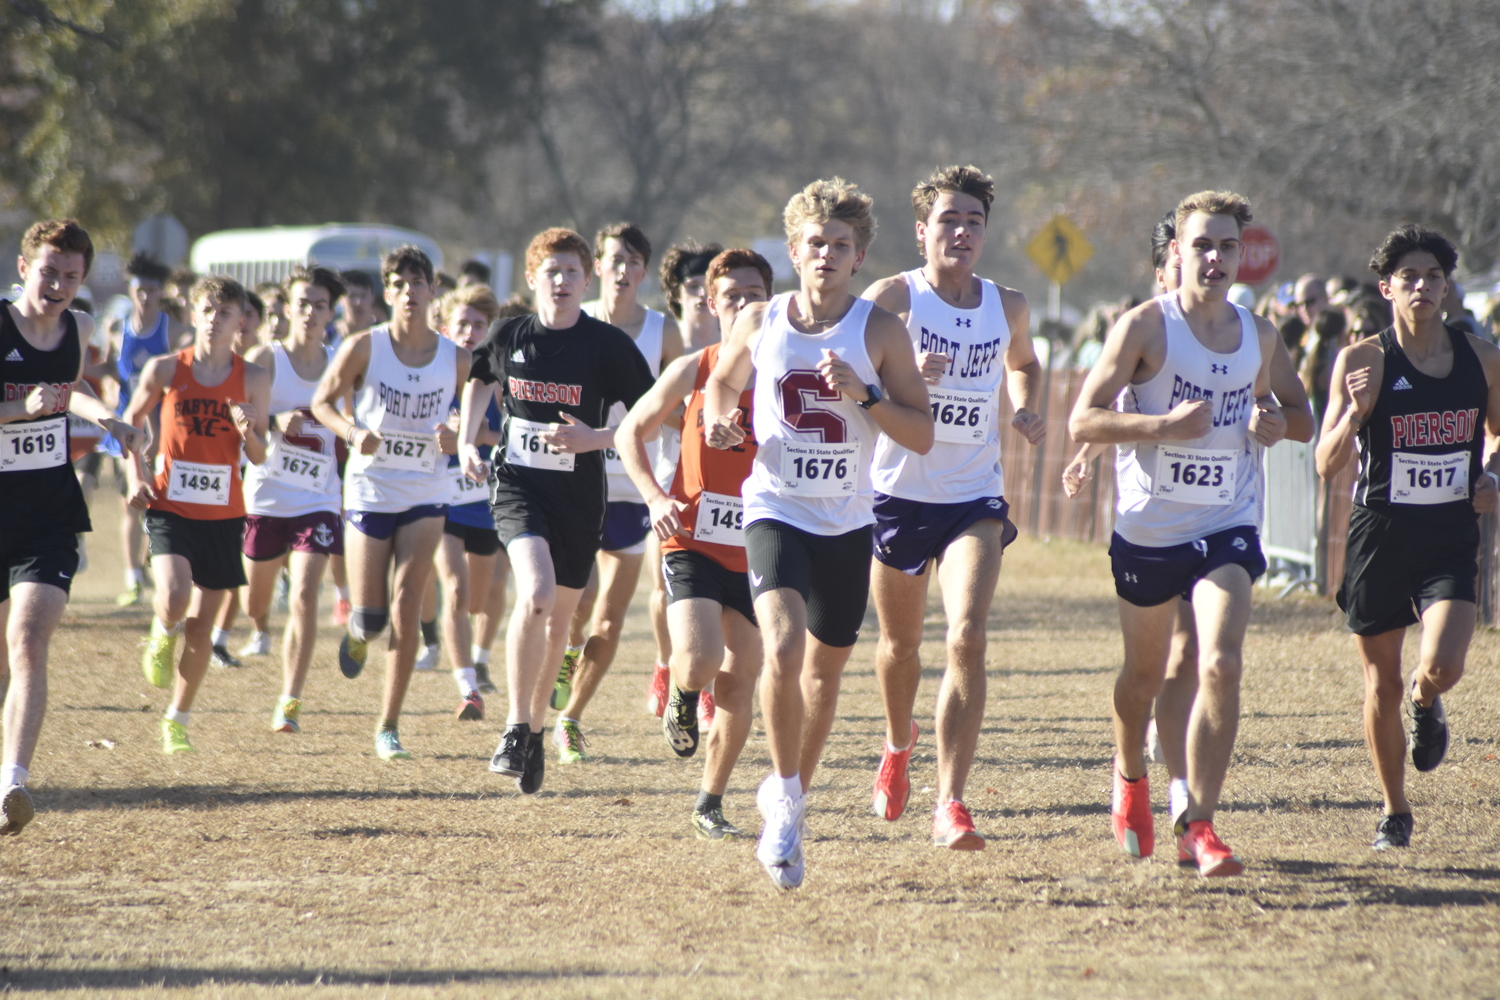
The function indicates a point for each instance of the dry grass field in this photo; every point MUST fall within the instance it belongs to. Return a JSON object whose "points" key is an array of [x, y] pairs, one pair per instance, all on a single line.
{"points": [[303, 866]]}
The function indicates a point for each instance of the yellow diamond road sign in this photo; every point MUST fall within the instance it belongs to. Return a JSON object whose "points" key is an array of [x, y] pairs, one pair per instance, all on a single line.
{"points": [[1059, 249]]}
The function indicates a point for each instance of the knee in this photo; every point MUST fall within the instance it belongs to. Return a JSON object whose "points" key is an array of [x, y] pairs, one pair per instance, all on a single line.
{"points": [[967, 640], [1444, 672], [366, 623], [899, 648], [609, 626], [1220, 667]]}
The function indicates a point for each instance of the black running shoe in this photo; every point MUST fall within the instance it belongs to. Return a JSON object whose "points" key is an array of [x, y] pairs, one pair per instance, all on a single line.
{"points": [[529, 781], [510, 755], [1429, 734], [482, 675], [222, 657], [712, 825], [1394, 831], [680, 723]]}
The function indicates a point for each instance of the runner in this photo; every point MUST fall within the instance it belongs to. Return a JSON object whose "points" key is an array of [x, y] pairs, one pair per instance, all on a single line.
{"points": [[947, 507], [833, 371], [562, 371], [700, 523], [1197, 368], [1166, 734], [292, 501], [1412, 401], [42, 512], [212, 403], [402, 375], [621, 253]]}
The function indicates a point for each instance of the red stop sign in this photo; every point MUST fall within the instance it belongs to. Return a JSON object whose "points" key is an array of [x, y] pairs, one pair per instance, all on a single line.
{"points": [[1260, 256]]}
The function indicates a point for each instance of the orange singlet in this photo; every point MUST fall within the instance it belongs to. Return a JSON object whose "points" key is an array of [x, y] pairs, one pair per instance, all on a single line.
{"points": [[718, 474], [199, 459]]}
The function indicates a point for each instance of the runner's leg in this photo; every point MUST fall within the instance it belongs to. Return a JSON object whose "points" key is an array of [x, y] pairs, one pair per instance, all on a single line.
{"points": [[618, 573], [34, 611], [1148, 638], [197, 637], [783, 626], [901, 605], [302, 624], [1221, 607], [1385, 731], [413, 546], [1175, 702], [968, 572], [734, 688]]}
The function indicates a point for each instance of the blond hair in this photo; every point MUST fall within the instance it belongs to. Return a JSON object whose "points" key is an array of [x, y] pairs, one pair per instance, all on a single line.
{"points": [[1214, 203], [476, 296], [827, 200]]}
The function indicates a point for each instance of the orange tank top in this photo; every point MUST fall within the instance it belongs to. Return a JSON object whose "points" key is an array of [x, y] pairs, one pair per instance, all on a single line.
{"points": [[199, 457], [718, 474]]}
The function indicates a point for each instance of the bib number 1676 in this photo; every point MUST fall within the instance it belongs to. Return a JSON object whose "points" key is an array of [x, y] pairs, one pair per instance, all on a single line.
{"points": [[820, 468]]}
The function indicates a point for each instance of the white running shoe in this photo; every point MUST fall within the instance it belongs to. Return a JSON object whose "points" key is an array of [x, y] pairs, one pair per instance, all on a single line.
{"points": [[429, 658], [1153, 745], [259, 645], [780, 847]]}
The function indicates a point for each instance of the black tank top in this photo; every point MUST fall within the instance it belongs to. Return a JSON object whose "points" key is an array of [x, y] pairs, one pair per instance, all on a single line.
{"points": [[39, 494], [1419, 453]]}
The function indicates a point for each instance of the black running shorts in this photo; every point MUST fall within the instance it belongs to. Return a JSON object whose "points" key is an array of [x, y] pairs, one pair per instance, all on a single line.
{"points": [[477, 541], [831, 572], [212, 548], [29, 558], [1395, 570], [574, 545], [693, 574]]}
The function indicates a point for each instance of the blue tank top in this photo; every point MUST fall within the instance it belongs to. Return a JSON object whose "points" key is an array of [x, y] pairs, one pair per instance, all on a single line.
{"points": [[135, 351]]}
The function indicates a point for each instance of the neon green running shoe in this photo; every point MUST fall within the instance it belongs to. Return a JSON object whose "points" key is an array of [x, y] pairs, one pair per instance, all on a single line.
{"points": [[159, 659], [284, 719], [352, 653], [563, 689], [130, 597], [174, 738], [388, 746], [568, 737]]}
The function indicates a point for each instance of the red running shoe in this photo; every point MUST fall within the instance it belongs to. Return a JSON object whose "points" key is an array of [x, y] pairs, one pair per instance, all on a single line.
{"points": [[706, 707], [892, 785], [340, 613], [953, 828], [656, 693], [1205, 847], [1130, 815], [471, 708]]}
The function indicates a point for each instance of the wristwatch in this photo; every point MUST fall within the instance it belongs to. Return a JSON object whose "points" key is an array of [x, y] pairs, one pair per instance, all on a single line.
{"points": [[874, 398]]}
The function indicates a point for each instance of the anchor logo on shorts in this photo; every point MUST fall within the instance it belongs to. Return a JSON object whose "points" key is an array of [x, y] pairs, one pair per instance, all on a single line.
{"points": [[1239, 543], [322, 536]]}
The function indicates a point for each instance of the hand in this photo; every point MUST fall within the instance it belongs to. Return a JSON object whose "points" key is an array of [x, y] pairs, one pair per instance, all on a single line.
{"points": [[724, 433], [1361, 396], [1267, 425], [291, 423], [1075, 477], [475, 467], [447, 439], [1189, 419], [42, 400], [666, 516], [364, 442], [141, 495], [132, 439], [244, 417], [571, 438], [933, 365], [1033, 426], [1486, 494], [839, 376]]}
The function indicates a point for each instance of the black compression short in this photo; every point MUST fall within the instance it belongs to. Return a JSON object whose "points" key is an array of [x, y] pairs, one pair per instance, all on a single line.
{"points": [[831, 572]]}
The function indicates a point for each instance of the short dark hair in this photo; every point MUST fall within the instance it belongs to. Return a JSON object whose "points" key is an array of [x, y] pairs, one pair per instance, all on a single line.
{"points": [[1162, 235], [183, 277], [516, 305], [681, 262], [406, 258], [355, 278], [221, 289], [146, 267], [253, 301], [478, 270], [969, 180], [627, 233], [62, 235], [739, 257], [1413, 239], [319, 276], [270, 291]]}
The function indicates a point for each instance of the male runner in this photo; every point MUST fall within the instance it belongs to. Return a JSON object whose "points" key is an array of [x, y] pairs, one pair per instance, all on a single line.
{"points": [[701, 526], [402, 375], [1197, 368], [359, 305], [293, 500], [832, 372], [621, 253], [1412, 400], [1166, 735], [213, 402], [562, 371], [947, 507], [42, 511]]}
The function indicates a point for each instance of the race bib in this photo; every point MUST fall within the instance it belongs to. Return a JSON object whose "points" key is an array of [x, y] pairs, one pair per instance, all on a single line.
{"points": [[465, 490], [1195, 475], [299, 467], [721, 519], [819, 470], [406, 452], [614, 465], [961, 416], [81, 428], [1429, 479], [195, 482], [523, 446], [42, 445]]}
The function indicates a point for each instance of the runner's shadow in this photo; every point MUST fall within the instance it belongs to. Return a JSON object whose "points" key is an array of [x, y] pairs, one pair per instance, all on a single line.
{"points": [[100, 979]]}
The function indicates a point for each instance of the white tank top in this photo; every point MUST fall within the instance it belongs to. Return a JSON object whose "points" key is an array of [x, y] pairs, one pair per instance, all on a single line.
{"points": [[403, 405], [300, 475], [964, 463], [621, 488], [812, 466], [1175, 492]]}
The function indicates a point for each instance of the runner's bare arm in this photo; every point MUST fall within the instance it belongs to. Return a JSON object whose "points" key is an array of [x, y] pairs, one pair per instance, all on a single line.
{"points": [[1487, 490], [671, 341], [906, 415], [1125, 353], [155, 378], [1023, 379], [721, 396], [82, 402], [891, 294], [1290, 393], [1267, 423], [253, 417], [473, 402], [446, 432], [1352, 390], [344, 374], [1078, 471], [642, 423]]}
